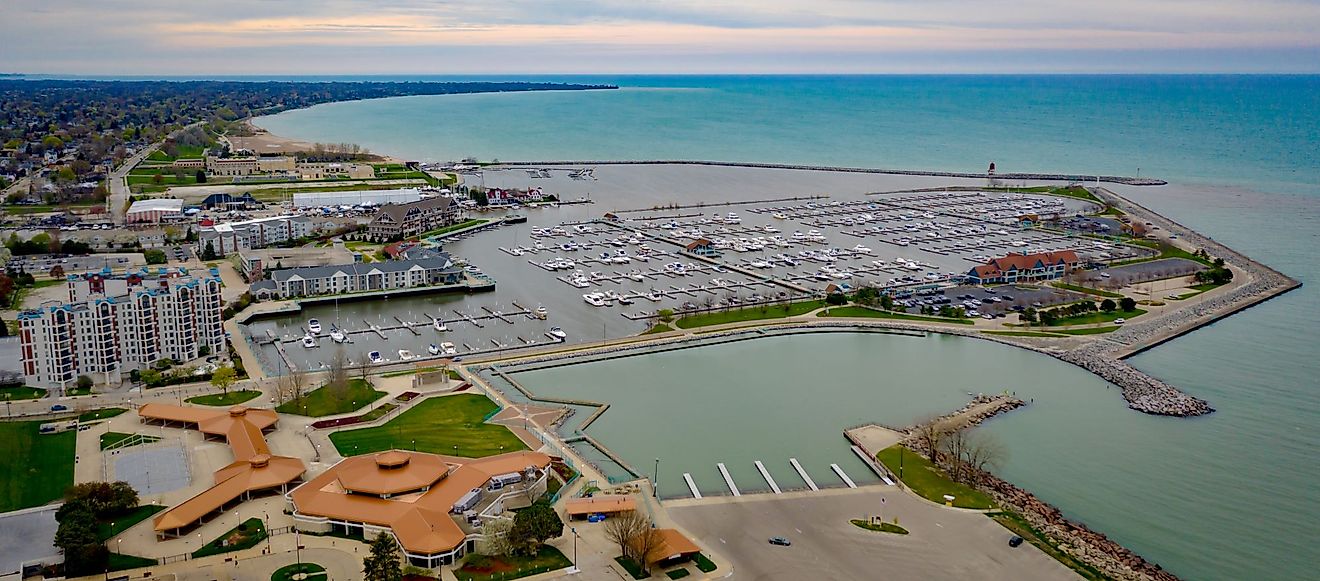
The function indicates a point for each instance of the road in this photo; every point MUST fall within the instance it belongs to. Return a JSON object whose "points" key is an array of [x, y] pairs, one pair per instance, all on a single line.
{"points": [[118, 180]]}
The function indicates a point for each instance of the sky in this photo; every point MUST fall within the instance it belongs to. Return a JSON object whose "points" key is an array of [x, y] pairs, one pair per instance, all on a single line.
{"points": [[391, 37]]}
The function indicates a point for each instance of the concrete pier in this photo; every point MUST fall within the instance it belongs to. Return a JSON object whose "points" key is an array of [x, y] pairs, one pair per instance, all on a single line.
{"points": [[766, 474], [872, 465], [728, 479], [843, 475], [691, 485], [803, 473]]}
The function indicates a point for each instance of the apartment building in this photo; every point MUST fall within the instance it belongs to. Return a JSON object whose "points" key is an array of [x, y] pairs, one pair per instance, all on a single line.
{"points": [[436, 269], [232, 237], [398, 221], [114, 323]]}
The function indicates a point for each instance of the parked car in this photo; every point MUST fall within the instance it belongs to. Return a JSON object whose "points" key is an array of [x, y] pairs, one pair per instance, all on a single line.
{"points": [[1014, 541], [595, 517], [781, 541], [59, 408]]}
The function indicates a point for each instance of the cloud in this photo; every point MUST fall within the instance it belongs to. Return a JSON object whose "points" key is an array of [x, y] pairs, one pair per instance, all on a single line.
{"points": [[154, 36]]}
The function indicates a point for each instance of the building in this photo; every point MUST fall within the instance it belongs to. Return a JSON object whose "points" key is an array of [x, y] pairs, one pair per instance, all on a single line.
{"points": [[398, 221], [253, 263], [224, 201], [360, 277], [701, 247], [334, 170], [231, 237], [116, 323], [1024, 268], [306, 200], [250, 165], [154, 211], [430, 503], [254, 471]]}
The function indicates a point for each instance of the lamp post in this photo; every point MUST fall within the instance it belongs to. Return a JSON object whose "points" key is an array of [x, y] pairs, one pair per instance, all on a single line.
{"points": [[575, 568], [655, 480]]}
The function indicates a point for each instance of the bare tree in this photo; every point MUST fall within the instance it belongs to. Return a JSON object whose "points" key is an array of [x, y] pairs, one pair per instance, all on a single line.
{"points": [[297, 382], [970, 452], [338, 378], [623, 527], [931, 434], [645, 545]]}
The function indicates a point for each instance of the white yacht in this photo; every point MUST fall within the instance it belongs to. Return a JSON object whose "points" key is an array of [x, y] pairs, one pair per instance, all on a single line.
{"points": [[779, 216], [433, 349], [448, 348], [654, 296], [309, 341], [440, 326], [861, 249], [405, 355], [557, 333], [337, 335], [594, 299], [541, 313], [375, 357], [314, 326]]}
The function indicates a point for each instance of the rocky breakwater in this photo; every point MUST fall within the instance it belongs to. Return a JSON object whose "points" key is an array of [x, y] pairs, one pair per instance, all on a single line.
{"points": [[1142, 392]]}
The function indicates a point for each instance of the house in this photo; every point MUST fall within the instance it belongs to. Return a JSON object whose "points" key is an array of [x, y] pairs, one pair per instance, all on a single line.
{"points": [[1024, 268], [398, 221], [701, 247]]}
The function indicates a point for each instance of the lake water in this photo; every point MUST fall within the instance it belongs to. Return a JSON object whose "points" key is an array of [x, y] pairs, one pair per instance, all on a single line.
{"points": [[1227, 496]]}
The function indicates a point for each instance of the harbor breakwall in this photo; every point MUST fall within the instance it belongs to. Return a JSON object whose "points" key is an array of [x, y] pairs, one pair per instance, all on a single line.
{"points": [[1125, 180]]}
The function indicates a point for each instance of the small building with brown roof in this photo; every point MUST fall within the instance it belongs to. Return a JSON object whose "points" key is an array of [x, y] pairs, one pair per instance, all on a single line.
{"points": [[433, 505], [1024, 268]]}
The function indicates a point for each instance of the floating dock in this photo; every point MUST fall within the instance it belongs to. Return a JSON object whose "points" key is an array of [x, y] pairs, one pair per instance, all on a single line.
{"points": [[883, 474], [803, 473], [691, 485], [843, 475], [766, 474], [728, 479]]}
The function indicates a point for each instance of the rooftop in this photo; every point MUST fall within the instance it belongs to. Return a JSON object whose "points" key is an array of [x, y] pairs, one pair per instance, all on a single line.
{"points": [[156, 204]]}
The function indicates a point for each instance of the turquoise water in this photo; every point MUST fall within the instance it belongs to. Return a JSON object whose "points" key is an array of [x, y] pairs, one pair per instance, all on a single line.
{"points": [[1221, 497]]}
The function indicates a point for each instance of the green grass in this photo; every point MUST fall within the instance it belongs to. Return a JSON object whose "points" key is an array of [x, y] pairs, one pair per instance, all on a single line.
{"points": [[34, 468], [1166, 249], [120, 523], [1021, 333], [21, 392], [1088, 330], [76, 391], [658, 328], [1078, 192], [863, 312], [704, 564], [631, 567], [244, 536], [119, 562], [453, 227], [379, 412], [328, 402], [313, 571], [111, 438], [488, 568], [883, 527], [225, 399], [1111, 211], [1097, 317], [101, 414], [929, 481], [1087, 290], [1022, 528], [749, 314], [677, 573], [1205, 287], [437, 425]]}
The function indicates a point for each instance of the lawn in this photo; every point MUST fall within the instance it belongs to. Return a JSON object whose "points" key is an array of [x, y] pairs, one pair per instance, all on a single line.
{"points": [[1022, 528], [120, 562], [1088, 330], [704, 564], [34, 468], [1166, 251], [225, 399], [436, 425], [109, 439], [863, 312], [313, 571], [631, 567], [749, 314], [328, 402], [21, 392], [929, 481], [486, 568], [101, 414], [1097, 317], [120, 523], [451, 228], [658, 328], [244, 536], [883, 527], [1078, 192], [1021, 333], [1088, 290]]}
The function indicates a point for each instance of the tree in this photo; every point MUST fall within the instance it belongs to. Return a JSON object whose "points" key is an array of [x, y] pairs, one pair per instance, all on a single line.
{"points": [[204, 350], [1027, 315], [57, 271], [208, 252], [383, 562], [666, 315], [866, 296], [223, 377], [886, 302], [1108, 305], [337, 380], [1128, 304], [533, 526], [932, 434], [644, 548], [621, 528], [1047, 318], [969, 452], [201, 176], [495, 537], [836, 299], [104, 498], [84, 382], [154, 256], [76, 537]]}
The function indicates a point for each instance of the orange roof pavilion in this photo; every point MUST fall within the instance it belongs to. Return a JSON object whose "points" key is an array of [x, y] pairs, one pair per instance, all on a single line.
{"points": [[254, 468], [606, 504]]}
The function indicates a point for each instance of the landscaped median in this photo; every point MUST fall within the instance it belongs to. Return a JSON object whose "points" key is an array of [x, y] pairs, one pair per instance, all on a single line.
{"points": [[329, 400], [758, 313], [225, 399], [857, 312], [450, 424], [244, 536], [300, 571], [928, 481], [492, 568], [882, 527]]}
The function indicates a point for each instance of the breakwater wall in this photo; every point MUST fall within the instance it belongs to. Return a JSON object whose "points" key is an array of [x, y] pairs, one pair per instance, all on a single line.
{"points": [[1125, 180]]}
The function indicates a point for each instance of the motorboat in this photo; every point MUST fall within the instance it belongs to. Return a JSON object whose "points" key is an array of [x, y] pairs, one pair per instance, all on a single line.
{"points": [[309, 341], [448, 348], [433, 349], [541, 313], [557, 333], [779, 216], [375, 357], [405, 355], [624, 300], [314, 326], [440, 326], [654, 296], [338, 336], [594, 299], [861, 249]]}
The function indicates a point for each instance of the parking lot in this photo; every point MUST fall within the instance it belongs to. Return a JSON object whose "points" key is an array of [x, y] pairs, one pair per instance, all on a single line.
{"points": [[942, 544]]}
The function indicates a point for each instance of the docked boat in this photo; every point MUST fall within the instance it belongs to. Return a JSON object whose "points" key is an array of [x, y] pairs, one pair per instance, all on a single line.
{"points": [[557, 333], [594, 299], [654, 296], [448, 348], [515, 219], [375, 357], [314, 326], [433, 349], [861, 249], [779, 216], [405, 355], [439, 326], [338, 336], [309, 341], [541, 313]]}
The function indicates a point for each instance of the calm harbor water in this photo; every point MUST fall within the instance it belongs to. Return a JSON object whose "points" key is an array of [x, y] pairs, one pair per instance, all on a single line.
{"points": [[1219, 497]]}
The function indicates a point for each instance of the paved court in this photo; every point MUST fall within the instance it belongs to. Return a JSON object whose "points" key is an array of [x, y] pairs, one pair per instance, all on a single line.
{"points": [[943, 544], [153, 470]]}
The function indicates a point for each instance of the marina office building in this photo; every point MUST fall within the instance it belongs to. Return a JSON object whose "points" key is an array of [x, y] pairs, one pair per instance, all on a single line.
{"points": [[436, 269], [1024, 267], [112, 324], [231, 237], [399, 221]]}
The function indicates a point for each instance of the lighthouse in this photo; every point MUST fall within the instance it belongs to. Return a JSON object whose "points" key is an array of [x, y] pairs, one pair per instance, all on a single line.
{"points": [[991, 171]]}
